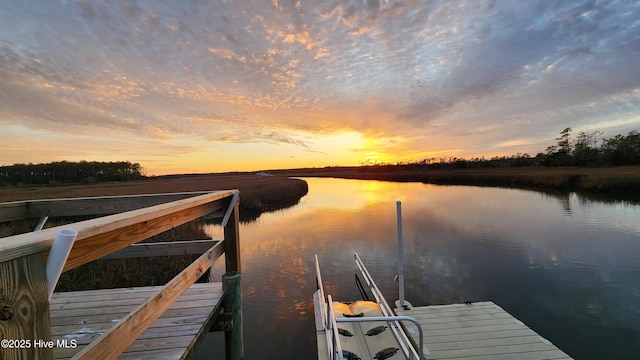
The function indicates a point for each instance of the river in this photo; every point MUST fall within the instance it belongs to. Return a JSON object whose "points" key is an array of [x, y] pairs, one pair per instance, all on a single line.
{"points": [[566, 266]]}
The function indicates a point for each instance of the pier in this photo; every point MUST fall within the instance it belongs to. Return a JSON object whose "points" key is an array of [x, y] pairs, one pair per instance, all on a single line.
{"points": [[149, 322]]}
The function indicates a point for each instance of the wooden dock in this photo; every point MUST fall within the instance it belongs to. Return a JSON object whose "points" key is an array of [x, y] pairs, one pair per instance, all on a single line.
{"points": [[132, 323], [84, 316], [478, 331]]}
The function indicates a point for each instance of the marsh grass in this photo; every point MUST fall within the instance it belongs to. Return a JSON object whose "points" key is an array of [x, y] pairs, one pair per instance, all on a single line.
{"points": [[257, 194], [614, 180], [149, 271]]}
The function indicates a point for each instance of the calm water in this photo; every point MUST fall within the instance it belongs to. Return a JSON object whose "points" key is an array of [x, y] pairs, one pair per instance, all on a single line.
{"points": [[566, 266]]}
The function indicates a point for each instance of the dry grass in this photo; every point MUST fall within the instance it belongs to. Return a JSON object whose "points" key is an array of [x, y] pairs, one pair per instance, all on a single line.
{"points": [[596, 180], [257, 193], [150, 271]]}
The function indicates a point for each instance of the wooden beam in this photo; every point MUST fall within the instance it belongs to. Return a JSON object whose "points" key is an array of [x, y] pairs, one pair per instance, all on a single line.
{"points": [[232, 239], [102, 205], [117, 339], [14, 210], [102, 244], [24, 308], [169, 248], [102, 236]]}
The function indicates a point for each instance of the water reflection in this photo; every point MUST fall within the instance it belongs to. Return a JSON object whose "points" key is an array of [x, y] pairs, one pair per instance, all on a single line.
{"points": [[570, 271]]}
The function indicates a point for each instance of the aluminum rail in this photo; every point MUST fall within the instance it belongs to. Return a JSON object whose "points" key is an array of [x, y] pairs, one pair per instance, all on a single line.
{"points": [[332, 329], [330, 322], [404, 341], [324, 314], [388, 319]]}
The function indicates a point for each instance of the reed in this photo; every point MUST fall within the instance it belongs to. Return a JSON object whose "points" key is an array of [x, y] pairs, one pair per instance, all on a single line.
{"points": [[623, 180], [257, 194], [133, 272]]}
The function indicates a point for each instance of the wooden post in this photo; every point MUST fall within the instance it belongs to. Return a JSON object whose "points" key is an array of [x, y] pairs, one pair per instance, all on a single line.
{"points": [[232, 240], [24, 309], [233, 339]]}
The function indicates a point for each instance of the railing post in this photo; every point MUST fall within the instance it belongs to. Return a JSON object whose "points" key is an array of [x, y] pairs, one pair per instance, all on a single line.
{"points": [[24, 309], [232, 240], [233, 339]]}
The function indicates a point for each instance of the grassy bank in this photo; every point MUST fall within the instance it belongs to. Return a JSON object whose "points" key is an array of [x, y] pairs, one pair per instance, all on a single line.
{"points": [[257, 193], [606, 180]]}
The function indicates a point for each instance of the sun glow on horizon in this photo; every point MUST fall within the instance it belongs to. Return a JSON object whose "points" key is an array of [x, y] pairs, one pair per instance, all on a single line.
{"points": [[308, 84]]}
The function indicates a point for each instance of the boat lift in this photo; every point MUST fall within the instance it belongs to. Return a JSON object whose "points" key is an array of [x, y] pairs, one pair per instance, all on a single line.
{"points": [[366, 327], [369, 338]]}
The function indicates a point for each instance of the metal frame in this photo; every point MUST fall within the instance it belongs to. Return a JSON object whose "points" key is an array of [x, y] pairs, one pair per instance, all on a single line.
{"points": [[404, 341], [330, 321]]}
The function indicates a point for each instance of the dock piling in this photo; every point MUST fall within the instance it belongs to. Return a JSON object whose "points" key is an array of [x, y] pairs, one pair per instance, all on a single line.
{"points": [[233, 339]]}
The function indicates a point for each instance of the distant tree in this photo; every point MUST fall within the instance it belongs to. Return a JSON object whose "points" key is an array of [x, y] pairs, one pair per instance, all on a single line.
{"points": [[69, 172], [564, 142], [581, 151], [560, 154], [621, 150], [585, 151]]}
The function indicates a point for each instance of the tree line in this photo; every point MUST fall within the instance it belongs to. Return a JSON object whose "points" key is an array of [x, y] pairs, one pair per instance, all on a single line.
{"points": [[583, 150], [66, 172], [586, 149]]}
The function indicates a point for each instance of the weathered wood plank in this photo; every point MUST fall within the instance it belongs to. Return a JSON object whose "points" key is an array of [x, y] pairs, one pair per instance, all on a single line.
{"points": [[232, 238], [186, 319], [14, 210], [120, 337], [102, 236], [175, 353], [168, 248], [102, 205], [90, 302], [24, 307], [99, 245], [110, 307]]}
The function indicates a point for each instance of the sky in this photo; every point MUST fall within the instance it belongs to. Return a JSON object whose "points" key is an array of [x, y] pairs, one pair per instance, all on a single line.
{"points": [[214, 86]]}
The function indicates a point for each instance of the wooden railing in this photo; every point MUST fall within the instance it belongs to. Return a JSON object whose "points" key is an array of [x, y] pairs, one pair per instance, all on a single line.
{"points": [[24, 306]]}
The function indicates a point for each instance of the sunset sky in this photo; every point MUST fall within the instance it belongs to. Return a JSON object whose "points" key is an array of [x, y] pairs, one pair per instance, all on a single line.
{"points": [[211, 86]]}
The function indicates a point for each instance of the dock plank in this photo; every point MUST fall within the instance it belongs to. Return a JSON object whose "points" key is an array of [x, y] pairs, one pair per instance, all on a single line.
{"points": [[85, 315], [477, 331]]}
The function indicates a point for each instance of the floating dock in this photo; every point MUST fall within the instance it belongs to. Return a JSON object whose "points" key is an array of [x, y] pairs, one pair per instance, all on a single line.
{"points": [[479, 331]]}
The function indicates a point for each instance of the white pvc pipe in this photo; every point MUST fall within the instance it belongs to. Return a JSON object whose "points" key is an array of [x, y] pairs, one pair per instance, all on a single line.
{"points": [[400, 255], [41, 223], [58, 257]]}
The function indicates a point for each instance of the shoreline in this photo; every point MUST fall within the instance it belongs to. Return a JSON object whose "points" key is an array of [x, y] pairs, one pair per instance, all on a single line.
{"points": [[614, 181], [258, 193], [279, 190]]}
